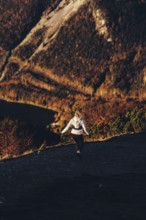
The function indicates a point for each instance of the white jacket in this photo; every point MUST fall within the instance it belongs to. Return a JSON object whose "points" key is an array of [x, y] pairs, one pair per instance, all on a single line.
{"points": [[77, 125]]}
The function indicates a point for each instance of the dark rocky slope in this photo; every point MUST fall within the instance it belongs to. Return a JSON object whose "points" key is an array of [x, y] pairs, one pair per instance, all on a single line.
{"points": [[107, 182]]}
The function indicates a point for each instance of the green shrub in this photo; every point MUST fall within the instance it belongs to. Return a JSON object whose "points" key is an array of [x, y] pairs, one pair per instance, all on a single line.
{"points": [[137, 119], [132, 121], [117, 124]]}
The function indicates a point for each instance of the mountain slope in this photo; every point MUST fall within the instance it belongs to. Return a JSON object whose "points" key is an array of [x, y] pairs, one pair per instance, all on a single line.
{"points": [[77, 53]]}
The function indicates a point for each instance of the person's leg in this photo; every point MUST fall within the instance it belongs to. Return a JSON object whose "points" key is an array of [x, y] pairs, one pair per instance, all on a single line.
{"points": [[79, 142], [75, 137]]}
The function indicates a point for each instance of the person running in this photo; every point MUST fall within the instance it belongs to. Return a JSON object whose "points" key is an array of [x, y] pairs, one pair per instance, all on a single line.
{"points": [[77, 126]]}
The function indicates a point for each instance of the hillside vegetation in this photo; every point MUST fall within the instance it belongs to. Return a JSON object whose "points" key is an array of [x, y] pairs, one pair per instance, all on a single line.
{"points": [[17, 19], [66, 55]]}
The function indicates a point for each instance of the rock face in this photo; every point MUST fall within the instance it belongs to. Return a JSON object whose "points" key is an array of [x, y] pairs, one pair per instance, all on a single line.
{"points": [[74, 53]]}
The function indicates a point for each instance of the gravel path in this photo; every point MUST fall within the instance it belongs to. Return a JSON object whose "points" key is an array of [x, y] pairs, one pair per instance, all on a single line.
{"points": [[107, 182]]}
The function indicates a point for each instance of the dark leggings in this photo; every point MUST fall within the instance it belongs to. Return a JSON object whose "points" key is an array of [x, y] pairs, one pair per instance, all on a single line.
{"points": [[79, 141]]}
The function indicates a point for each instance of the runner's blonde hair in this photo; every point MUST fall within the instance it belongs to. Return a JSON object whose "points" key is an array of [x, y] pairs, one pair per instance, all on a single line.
{"points": [[78, 114]]}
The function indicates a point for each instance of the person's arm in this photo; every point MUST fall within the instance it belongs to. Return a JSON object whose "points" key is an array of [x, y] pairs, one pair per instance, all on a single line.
{"points": [[84, 127], [67, 127]]}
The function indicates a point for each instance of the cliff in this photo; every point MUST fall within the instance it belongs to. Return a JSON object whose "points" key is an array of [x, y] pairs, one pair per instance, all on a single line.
{"points": [[69, 54]]}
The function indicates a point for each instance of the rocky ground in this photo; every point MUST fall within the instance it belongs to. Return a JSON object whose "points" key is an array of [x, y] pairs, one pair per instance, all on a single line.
{"points": [[107, 182]]}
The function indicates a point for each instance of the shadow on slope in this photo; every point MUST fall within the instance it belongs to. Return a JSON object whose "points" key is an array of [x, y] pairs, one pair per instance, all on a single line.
{"points": [[24, 128]]}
